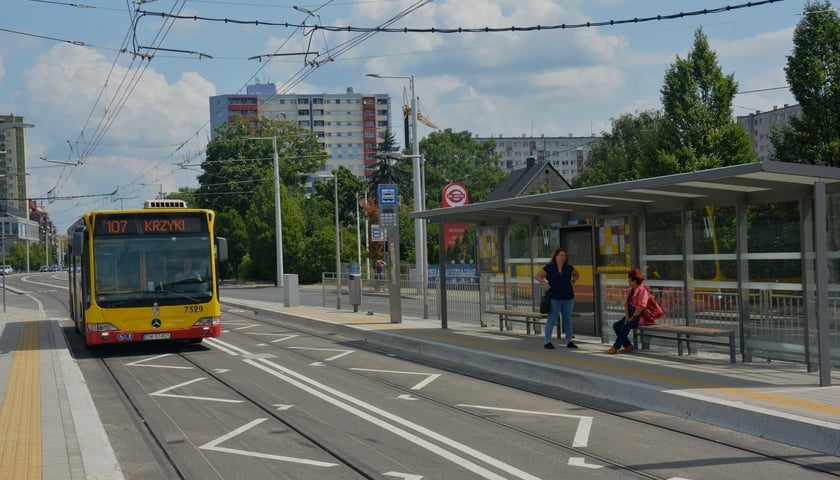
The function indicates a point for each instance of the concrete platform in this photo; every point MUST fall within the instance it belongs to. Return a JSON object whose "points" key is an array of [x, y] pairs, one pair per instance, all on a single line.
{"points": [[49, 427], [777, 401]]}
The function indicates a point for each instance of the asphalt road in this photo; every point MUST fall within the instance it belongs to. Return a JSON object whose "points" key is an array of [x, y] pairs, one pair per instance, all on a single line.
{"points": [[270, 400]]}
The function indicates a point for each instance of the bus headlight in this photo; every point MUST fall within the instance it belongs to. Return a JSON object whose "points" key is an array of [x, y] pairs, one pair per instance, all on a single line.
{"points": [[100, 327], [208, 321]]}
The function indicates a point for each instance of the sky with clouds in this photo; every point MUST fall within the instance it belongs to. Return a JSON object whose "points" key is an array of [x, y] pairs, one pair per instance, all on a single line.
{"points": [[120, 90]]}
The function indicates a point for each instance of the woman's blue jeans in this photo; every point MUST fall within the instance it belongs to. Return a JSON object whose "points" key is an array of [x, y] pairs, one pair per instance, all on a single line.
{"points": [[622, 332], [564, 308]]}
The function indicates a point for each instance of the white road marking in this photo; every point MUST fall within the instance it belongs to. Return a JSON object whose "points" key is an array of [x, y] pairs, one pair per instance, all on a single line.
{"points": [[142, 363], [404, 476], [285, 336], [581, 462], [344, 352], [162, 393], [581, 434], [335, 397], [221, 370], [247, 327], [224, 348], [332, 396], [431, 376], [282, 406], [406, 397], [213, 445]]}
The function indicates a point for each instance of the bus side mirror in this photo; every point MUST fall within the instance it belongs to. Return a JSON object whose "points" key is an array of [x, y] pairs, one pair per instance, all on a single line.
{"points": [[221, 249]]}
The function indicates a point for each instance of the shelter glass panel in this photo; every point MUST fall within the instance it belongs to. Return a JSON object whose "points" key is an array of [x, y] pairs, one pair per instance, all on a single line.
{"points": [[664, 262], [518, 264], [776, 327], [714, 242], [713, 299]]}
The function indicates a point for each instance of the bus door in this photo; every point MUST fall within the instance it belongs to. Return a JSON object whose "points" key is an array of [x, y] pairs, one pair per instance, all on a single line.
{"points": [[579, 241]]}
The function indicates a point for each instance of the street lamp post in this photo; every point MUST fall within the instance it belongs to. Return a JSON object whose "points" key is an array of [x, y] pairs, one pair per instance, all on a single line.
{"points": [[278, 222], [26, 239], [334, 175], [3, 240], [419, 201], [337, 249], [358, 235]]}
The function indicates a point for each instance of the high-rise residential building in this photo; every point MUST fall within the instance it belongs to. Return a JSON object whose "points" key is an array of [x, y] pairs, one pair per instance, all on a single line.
{"points": [[566, 154], [760, 125], [348, 125], [13, 166]]}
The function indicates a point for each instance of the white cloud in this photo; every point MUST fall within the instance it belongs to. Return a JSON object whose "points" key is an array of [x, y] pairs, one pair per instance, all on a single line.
{"points": [[73, 84]]}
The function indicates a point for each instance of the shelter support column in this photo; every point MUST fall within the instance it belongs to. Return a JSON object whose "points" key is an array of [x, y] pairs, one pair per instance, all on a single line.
{"points": [[821, 250]]}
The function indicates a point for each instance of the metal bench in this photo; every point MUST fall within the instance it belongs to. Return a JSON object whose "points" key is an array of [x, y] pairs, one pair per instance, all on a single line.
{"points": [[527, 317], [688, 335]]}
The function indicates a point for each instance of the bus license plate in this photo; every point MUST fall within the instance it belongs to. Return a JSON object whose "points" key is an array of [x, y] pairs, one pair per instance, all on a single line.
{"points": [[157, 336]]}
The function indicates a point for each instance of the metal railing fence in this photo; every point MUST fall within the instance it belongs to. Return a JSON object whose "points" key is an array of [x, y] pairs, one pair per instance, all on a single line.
{"points": [[775, 330]]}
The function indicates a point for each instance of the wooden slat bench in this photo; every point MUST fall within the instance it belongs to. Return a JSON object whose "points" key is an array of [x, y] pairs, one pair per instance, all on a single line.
{"points": [[527, 317], [688, 335]]}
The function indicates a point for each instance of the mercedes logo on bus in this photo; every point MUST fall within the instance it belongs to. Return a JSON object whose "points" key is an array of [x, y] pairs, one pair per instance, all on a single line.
{"points": [[156, 323]]}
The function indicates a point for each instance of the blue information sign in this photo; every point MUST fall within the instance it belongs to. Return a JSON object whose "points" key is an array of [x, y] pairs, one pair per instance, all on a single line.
{"points": [[387, 194]]}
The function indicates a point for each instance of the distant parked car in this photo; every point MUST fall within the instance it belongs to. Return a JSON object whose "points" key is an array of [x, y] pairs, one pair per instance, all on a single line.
{"points": [[54, 268], [44, 268], [6, 270]]}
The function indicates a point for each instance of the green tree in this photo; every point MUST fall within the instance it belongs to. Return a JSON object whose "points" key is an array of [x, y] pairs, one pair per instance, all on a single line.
{"points": [[451, 157], [700, 129], [295, 241], [236, 164], [813, 73], [186, 194], [231, 225], [259, 220], [387, 170], [695, 129], [349, 187], [616, 158], [457, 157]]}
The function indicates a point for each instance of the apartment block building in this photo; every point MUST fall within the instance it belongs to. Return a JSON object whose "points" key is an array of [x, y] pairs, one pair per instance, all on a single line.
{"points": [[760, 125], [13, 165], [348, 125], [565, 154]]}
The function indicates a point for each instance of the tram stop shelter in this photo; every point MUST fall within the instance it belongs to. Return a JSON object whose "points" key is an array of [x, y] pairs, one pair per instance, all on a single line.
{"points": [[752, 247]]}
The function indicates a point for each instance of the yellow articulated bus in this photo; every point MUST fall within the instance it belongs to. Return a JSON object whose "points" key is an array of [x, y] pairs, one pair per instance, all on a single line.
{"points": [[146, 274]]}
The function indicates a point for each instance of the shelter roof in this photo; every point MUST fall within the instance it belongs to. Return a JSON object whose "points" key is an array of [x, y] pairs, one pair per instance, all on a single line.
{"points": [[758, 182]]}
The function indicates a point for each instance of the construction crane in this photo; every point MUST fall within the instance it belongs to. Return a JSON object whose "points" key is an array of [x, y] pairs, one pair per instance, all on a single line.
{"points": [[420, 117]]}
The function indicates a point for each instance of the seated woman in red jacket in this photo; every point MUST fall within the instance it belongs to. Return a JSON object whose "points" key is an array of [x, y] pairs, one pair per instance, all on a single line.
{"points": [[634, 308]]}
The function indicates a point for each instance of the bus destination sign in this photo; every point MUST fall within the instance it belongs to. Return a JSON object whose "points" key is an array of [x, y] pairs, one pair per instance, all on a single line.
{"points": [[145, 224]]}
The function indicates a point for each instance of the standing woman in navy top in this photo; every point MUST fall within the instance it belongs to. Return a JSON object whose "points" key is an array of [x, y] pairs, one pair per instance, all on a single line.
{"points": [[559, 277]]}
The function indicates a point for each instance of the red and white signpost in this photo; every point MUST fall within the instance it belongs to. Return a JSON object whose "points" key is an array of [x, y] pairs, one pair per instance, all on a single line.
{"points": [[454, 195]]}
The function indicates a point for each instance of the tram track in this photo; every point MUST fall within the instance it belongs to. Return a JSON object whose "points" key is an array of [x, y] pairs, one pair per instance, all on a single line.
{"points": [[648, 419], [248, 398], [349, 462], [567, 448]]}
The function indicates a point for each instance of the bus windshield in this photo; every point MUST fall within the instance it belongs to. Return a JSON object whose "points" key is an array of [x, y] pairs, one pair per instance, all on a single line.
{"points": [[143, 270]]}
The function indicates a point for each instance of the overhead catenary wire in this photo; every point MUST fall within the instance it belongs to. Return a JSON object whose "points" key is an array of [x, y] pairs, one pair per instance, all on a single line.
{"points": [[330, 54], [459, 30]]}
